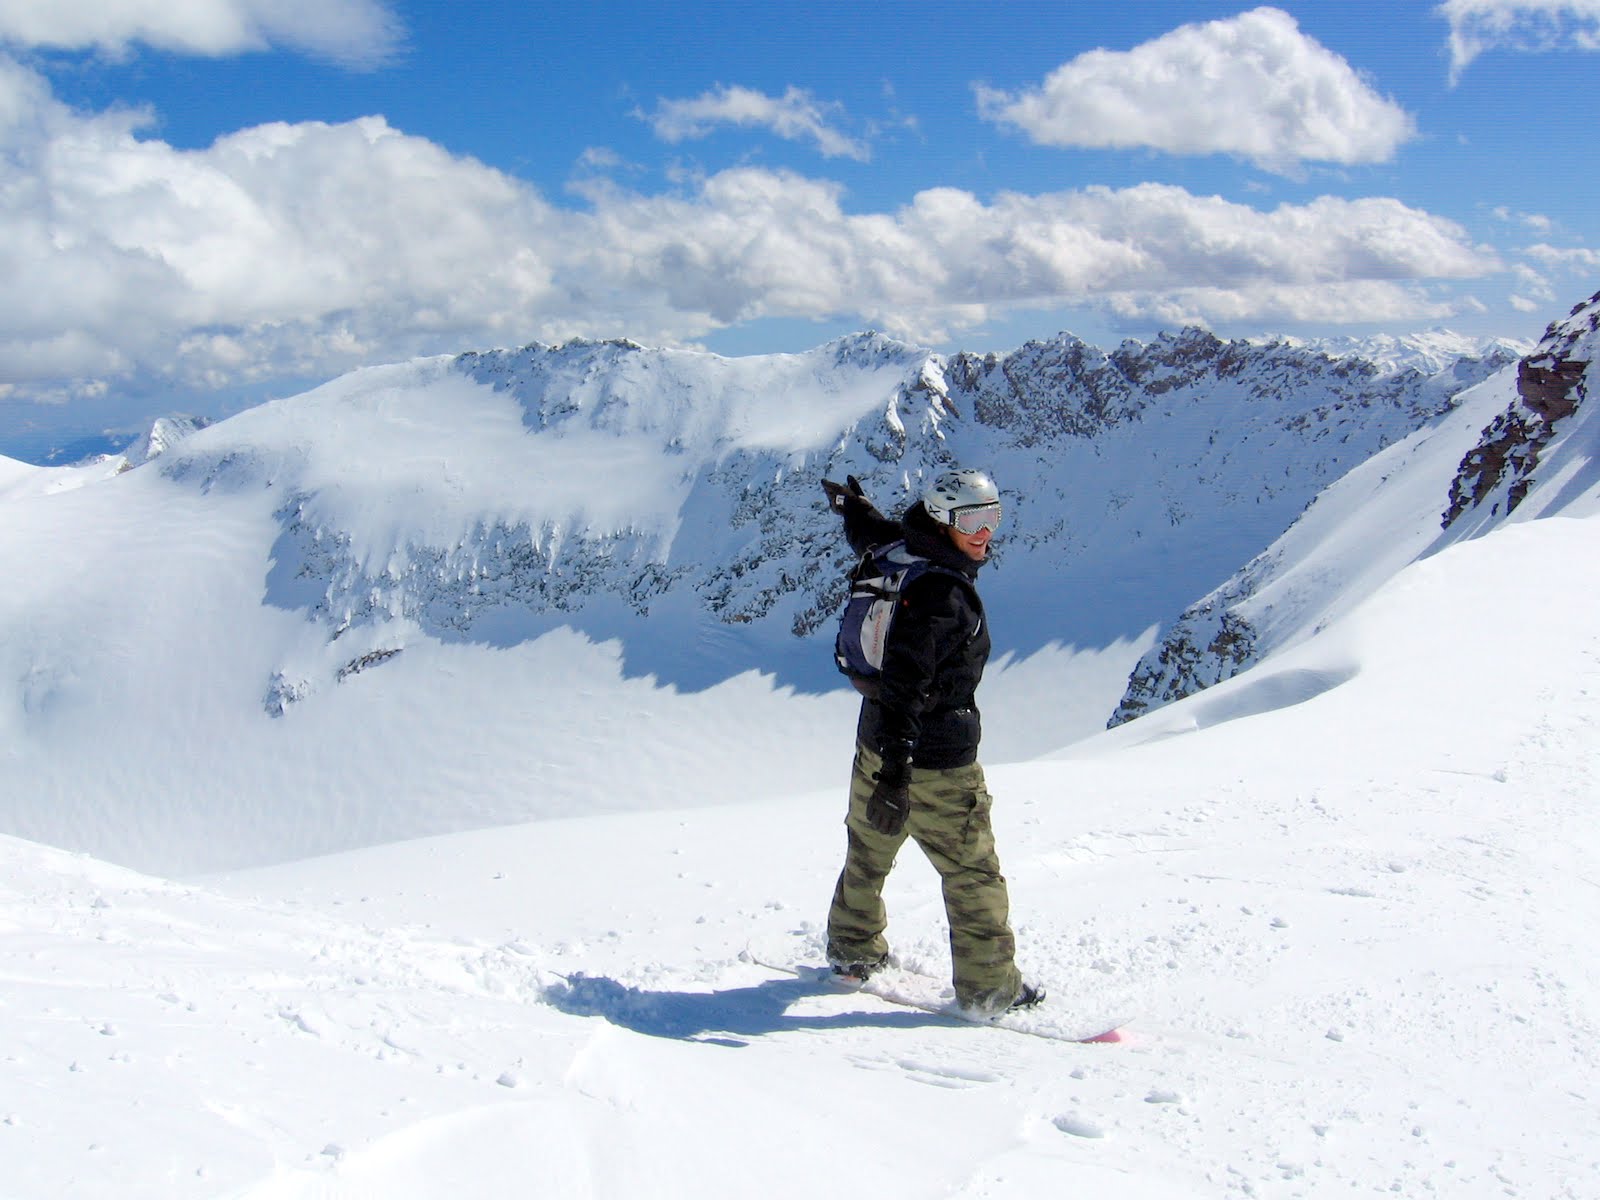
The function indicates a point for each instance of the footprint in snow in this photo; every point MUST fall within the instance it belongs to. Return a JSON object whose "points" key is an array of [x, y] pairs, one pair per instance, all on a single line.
{"points": [[1078, 1126]]}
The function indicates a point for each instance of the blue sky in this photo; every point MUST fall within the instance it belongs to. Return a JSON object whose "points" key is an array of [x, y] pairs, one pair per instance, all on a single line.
{"points": [[217, 201]]}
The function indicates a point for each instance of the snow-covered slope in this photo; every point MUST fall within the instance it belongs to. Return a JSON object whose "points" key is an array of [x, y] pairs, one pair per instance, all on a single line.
{"points": [[1348, 900], [21, 481], [1521, 437], [605, 481], [1345, 899]]}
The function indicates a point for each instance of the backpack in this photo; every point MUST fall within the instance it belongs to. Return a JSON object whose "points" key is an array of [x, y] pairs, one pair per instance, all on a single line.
{"points": [[875, 586]]}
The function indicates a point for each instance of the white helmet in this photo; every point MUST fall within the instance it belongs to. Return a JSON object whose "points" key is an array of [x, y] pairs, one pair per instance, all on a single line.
{"points": [[964, 498]]}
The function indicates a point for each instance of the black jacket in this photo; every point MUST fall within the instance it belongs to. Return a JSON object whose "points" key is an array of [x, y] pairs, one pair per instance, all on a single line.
{"points": [[925, 710]]}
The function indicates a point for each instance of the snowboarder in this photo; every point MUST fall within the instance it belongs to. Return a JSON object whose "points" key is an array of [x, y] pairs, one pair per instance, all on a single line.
{"points": [[916, 772]]}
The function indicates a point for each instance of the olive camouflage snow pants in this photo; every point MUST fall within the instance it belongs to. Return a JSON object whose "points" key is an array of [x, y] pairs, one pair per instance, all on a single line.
{"points": [[949, 819]]}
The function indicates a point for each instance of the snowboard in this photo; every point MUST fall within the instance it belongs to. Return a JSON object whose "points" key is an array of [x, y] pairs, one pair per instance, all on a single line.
{"points": [[897, 984]]}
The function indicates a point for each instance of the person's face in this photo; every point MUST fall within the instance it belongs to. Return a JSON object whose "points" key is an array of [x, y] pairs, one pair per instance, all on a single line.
{"points": [[974, 545]]}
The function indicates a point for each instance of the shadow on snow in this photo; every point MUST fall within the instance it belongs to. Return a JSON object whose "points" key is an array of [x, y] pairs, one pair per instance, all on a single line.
{"points": [[722, 1018]]}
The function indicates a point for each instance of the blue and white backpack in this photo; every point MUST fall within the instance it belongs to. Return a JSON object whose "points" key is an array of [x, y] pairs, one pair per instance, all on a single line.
{"points": [[875, 587]]}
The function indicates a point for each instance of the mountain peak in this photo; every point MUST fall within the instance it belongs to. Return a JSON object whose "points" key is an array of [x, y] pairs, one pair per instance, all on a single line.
{"points": [[870, 347], [164, 433]]}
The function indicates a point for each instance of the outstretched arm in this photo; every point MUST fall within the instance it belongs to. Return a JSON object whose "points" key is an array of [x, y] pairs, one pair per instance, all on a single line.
{"points": [[864, 525]]}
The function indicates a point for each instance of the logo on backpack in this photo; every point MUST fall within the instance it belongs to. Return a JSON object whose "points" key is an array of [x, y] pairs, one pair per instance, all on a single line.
{"points": [[875, 587]]}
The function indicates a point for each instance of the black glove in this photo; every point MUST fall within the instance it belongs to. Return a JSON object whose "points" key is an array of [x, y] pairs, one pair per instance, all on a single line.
{"points": [[841, 495], [890, 801]]}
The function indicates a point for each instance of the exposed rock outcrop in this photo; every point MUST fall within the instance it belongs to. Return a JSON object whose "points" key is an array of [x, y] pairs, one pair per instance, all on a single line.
{"points": [[1207, 644], [1218, 636], [1496, 474]]}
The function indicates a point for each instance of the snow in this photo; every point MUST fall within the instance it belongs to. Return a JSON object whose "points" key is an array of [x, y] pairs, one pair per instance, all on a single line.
{"points": [[1348, 896], [1351, 910], [1431, 351], [1354, 537], [20, 480]]}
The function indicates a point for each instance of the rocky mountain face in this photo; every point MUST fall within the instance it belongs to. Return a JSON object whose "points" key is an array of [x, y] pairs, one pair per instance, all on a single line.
{"points": [[1134, 479], [1066, 388], [1552, 383], [1209, 642], [1221, 634]]}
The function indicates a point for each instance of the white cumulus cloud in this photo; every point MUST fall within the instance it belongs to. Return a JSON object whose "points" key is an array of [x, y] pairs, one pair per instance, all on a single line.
{"points": [[1253, 86], [1575, 258], [298, 250], [796, 116], [117, 247], [359, 33], [1477, 26]]}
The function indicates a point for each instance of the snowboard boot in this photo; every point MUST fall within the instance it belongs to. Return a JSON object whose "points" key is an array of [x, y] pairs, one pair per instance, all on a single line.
{"points": [[1030, 996], [989, 1005], [859, 972]]}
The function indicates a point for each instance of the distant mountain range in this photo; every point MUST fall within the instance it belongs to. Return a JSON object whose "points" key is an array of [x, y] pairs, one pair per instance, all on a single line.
{"points": [[436, 560], [683, 486], [1431, 352]]}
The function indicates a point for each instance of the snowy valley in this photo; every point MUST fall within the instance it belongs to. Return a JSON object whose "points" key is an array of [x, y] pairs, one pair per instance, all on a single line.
{"points": [[273, 597], [393, 780]]}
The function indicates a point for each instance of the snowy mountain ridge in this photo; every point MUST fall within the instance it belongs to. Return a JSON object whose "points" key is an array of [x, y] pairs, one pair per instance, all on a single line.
{"points": [[706, 507], [164, 433], [1429, 352], [529, 531], [1518, 437]]}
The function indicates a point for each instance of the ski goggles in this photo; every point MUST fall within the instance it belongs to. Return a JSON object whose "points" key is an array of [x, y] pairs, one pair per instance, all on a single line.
{"points": [[972, 518]]}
